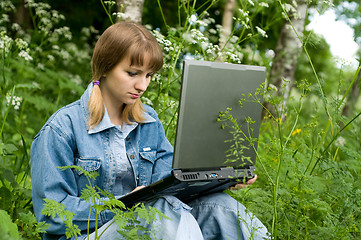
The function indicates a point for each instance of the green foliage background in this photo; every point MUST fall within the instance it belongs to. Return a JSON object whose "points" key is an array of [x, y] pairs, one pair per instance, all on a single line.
{"points": [[308, 162]]}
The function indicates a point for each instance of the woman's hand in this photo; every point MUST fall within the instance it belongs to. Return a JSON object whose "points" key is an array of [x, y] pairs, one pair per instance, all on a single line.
{"points": [[137, 188], [243, 185]]}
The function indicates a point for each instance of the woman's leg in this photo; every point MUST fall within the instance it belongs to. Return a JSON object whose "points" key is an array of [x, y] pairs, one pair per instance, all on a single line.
{"points": [[180, 226], [222, 217]]}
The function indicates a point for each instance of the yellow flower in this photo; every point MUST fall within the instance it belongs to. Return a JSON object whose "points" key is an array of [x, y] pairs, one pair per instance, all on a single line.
{"points": [[297, 131]]}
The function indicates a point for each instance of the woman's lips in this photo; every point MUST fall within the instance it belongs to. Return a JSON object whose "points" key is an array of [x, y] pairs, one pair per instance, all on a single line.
{"points": [[134, 95]]}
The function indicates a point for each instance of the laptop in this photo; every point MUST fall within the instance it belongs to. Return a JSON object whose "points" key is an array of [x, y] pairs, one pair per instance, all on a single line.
{"points": [[203, 144]]}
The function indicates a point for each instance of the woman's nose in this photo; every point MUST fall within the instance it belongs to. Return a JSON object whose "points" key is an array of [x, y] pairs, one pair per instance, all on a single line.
{"points": [[142, 84]]}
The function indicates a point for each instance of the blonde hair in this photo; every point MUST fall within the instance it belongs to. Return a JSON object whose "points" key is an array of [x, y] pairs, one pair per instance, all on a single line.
{"points": [[119, 41]]}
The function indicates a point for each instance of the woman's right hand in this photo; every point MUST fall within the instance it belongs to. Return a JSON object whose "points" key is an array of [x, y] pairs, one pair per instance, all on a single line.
{"points": [[137, 188]]}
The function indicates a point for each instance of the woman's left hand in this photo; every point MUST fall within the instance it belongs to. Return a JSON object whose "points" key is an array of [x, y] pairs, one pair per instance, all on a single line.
{"points": [[243, 185]]}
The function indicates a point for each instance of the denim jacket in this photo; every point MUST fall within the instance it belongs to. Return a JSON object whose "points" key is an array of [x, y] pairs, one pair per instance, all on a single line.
{"points": [[65, 140]]}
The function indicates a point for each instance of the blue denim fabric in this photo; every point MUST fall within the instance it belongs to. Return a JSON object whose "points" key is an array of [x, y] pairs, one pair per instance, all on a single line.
{"points": [[65, 140], [212, 217]]}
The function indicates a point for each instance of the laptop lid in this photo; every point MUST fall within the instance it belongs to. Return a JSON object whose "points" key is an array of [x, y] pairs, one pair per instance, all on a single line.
{"points": [[209, 88]]}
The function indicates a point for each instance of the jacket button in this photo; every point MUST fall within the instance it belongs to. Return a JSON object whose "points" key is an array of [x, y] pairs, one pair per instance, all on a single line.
{"points": [[132, 156], [127, 138]]}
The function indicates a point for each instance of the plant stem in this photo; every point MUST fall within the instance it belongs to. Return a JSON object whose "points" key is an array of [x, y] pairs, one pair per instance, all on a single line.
{"points": [[7, 111], [161, 12], [349, 87], [107, 12]]}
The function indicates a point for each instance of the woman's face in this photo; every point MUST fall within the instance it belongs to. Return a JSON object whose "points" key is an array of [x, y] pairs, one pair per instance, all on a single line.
{"points": [[124, 84]]}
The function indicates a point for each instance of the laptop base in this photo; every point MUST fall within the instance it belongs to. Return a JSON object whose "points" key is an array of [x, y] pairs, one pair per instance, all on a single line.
{"points": [[188, 186]]}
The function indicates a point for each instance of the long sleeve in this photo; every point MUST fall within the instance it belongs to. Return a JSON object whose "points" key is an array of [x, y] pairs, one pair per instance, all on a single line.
{"points": [[52, 148], [164, 155]]}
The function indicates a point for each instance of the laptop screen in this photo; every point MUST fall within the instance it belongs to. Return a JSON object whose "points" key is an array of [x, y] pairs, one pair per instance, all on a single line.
{"points": [[209, 88]]}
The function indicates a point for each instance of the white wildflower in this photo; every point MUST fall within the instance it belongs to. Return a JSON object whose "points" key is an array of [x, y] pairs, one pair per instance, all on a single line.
{"points": [[270, 53], [41, 66], [51, 58], [262, 32], [14, 101], [21, 44], [64, 54], [189, 38], [233, 39], [233, 57], [65, 31], [193, 19], [251, 2], [25, 55], [167, 43], [109, 3], [209, 51], [340, 142], [4, 18], [173, 104], [329, 3], [57, 16], [5, 43], [7, 6], [16, 27], [289, 8], [263, 4], [120, 15], [204, 45], [212, 31], [243, 13]]}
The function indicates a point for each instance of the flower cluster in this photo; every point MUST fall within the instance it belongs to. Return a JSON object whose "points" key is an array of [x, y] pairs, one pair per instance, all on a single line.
{"points": [[5, 42], [14, 101], [9, 45]]}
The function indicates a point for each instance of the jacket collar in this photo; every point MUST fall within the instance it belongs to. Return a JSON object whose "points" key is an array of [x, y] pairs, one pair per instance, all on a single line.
{"points": [[105, 122]]}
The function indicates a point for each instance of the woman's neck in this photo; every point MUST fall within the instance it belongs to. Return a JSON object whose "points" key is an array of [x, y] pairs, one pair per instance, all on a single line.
{"points": [[115, 113]]}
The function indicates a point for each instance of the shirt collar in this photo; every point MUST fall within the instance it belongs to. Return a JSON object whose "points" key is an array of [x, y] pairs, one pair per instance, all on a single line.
{"points": [[104, 124]]}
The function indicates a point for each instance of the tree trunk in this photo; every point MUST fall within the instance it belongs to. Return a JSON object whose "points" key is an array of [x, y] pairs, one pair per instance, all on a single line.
{"points": [[286, 54], [22, 16], [132, 10], [227, 22]]}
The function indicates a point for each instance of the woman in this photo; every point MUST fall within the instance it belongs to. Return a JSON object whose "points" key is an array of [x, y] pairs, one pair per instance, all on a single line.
{"points": [[111, 132]]}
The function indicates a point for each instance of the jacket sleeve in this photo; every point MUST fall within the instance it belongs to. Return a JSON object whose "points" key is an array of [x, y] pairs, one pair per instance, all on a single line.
{"points": [[50, 149], [163, 164]]}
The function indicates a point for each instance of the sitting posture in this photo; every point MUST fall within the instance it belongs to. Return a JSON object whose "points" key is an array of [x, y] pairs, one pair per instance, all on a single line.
{"points": [[105, 132]]}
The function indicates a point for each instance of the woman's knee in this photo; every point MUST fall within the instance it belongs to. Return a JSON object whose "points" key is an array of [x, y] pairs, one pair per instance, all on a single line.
{"points": [[220, 200]]}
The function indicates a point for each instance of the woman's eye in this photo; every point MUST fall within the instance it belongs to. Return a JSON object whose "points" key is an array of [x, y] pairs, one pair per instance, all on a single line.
{"points": [[150, 75], [132, 74]]}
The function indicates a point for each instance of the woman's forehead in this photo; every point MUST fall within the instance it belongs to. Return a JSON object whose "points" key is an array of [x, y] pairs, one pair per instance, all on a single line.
{"points": [[142, 60]]}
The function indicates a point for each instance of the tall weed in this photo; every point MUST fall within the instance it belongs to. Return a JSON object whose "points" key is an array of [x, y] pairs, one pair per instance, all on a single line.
{"points": [[308, 185], [308, 162], [36, 79]]}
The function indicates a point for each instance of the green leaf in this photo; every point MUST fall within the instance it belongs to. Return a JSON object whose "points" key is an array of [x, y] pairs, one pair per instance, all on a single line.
{"points": [[90, 175], [8, 175], [9, 148], [8, 229], [53, 208], [27, 86], [89, 193], [5, 198], [42, 226]]}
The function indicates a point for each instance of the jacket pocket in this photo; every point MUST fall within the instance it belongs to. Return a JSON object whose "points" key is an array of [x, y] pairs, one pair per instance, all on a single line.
{"points": [[150, 156], [88, 164]]}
